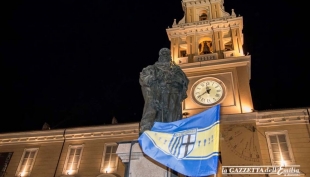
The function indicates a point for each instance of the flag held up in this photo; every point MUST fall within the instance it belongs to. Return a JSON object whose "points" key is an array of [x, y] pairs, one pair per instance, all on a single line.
{"points": [[189, 146]]}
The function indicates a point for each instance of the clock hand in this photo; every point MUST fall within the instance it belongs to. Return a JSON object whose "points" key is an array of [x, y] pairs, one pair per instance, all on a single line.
{"points": [[208, 90], [202, 94]]}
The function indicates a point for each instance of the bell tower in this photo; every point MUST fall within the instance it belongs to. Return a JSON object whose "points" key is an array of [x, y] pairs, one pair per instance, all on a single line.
{"points": [[207, 44], [205, 29]]}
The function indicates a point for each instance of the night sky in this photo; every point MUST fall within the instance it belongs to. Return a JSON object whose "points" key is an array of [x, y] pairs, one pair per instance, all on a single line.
{"points": [[76, 63]]}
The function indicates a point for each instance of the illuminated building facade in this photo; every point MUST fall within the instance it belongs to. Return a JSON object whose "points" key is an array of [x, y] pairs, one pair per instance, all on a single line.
{"points": [[87, 151], [258, 138], [207, 45]]}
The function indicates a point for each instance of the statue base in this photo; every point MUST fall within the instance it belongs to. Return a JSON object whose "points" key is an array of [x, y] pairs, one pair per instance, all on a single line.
{"points": [[138, 164]]}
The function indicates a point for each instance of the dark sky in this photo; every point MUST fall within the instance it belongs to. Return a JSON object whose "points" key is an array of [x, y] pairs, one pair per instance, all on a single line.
{"points": [[77, 63]]}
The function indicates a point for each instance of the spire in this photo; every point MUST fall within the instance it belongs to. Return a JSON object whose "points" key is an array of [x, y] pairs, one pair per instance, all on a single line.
{"points": [[233, 12], [114, 120], [174, 22], [46, 126]]}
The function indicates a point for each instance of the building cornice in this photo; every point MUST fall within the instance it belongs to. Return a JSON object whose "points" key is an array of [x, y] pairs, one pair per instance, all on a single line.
{"points": [[81, 133], [238, 118], [282, 117], [208, 26], [231, 20], [261, 118], [270, 118], [190, 3], [216, 64]]}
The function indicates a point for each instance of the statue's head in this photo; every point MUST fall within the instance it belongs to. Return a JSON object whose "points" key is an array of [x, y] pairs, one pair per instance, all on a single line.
{"points": [[164, 55]]}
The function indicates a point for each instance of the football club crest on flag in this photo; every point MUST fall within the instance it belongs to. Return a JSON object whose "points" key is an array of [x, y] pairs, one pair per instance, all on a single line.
{"points": [[182, 143], [189, 146]]}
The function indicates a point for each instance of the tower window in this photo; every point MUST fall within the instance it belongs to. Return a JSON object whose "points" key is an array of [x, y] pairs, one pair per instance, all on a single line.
{"points": [[229, 46], [205, 47], [183, 53], [203, 15]]}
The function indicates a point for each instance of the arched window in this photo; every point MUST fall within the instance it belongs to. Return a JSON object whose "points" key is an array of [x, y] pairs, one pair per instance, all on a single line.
{"points": [[182, 53], [229, 46], [205, 47], [203, 15]]}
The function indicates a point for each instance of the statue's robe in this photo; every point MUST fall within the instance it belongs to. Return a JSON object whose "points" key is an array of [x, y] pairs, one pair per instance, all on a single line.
{"points": [[163, 91]]}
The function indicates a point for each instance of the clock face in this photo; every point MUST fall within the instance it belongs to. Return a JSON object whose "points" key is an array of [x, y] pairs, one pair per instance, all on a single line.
{"points": [[208, 91]]}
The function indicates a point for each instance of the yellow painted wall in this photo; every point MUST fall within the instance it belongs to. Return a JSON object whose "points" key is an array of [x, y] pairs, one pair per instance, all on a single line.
{"points": [[48, 154], [299, 140], [45, 162]]}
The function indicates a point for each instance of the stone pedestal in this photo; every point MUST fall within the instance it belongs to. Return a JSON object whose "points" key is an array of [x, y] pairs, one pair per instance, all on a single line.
{"points": [[138, 164]]}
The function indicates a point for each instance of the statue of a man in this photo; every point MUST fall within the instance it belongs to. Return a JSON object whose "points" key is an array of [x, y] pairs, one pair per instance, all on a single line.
{"points": [[164, 87]]}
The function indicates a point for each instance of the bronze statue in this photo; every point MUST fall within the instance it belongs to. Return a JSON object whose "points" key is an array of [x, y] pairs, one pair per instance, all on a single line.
{"points": [[164, 87]]}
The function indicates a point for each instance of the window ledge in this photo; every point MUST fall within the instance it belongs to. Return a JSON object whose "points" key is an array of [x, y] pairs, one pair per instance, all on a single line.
{"points": [[106, 175]]}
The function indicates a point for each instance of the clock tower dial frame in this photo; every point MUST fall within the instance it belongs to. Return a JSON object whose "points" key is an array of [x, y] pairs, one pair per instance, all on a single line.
{"points": [[208, 91]]}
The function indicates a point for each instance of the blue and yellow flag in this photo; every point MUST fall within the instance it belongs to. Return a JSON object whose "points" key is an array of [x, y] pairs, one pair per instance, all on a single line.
{"points": [[189, 146]]}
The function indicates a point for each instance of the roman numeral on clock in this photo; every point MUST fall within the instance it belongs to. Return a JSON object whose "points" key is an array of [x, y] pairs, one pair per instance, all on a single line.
{"points": [[202, 99]]}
